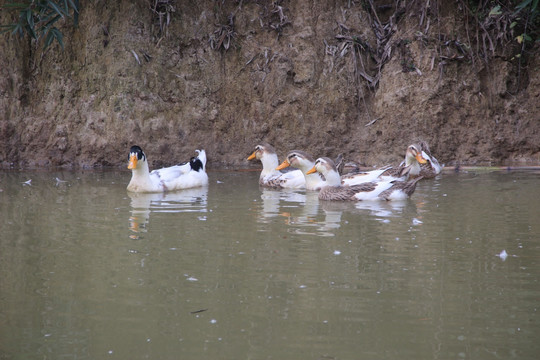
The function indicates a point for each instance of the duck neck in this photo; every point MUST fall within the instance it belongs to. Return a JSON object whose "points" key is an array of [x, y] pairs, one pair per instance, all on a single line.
{"points": [[413, 165], [140, 177], [332, 178], [270, 163], [313, 181]]}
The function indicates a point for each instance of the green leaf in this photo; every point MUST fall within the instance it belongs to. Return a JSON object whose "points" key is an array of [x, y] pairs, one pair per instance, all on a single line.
{"points": [[15, 6], [495, 11], [48, 39], [523, 5], [18, 29], [56, 8], [75, 7], [53, 34], [29, 17], [8, 28], [59, 37], [52, 21], [513, 24], [30, 31]]}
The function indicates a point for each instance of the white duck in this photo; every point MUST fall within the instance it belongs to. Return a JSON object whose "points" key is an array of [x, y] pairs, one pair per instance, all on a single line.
{"points": [[380, 190], [272, 177], [315, 181], [184, 176], [303, 161]]}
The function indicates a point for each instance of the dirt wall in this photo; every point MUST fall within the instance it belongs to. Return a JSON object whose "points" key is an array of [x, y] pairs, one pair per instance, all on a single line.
{"points": [[226, 75]]}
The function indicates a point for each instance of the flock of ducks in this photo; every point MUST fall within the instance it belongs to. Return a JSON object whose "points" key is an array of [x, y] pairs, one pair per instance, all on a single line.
{"points": [[388, 183]]}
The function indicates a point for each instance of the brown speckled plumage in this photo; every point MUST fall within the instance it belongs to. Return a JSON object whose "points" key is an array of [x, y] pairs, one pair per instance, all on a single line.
{"points": [[407, 187], [273, 183], [345, 193], [426, 170]]}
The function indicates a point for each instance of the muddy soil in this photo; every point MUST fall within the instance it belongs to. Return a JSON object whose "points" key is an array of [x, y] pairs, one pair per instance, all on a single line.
{"points": [[226, 75]]}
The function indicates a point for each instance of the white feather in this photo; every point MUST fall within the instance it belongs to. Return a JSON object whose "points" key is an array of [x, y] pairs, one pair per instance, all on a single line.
{"points": [[167, 179], [364, 177]]}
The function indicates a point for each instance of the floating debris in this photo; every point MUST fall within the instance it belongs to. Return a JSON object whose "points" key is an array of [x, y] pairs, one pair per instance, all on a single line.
{"points": [[503, 255], [28, 182], [60, 182], [415, 221], [198, 311]]}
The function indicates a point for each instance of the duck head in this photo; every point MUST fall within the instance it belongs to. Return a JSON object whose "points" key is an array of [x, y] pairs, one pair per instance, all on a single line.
{"points": [[327, 168], [413, 154], [261, 150], [136, 154], [297, 159]]}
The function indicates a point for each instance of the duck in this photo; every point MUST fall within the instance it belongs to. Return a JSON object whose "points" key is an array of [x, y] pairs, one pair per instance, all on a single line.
{"points": [[432, 167], [187, 175], [315, 181], [304, 162], [409, 168], [270, 177], [389, 190]]}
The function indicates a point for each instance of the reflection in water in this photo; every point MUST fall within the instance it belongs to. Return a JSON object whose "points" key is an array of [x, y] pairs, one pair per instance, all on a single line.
{"points": [[378, 209], [384, 209], [300, 211], [143, 204]]}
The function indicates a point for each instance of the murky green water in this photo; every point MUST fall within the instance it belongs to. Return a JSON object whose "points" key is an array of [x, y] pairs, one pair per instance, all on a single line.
{"points": [[88, 271]]}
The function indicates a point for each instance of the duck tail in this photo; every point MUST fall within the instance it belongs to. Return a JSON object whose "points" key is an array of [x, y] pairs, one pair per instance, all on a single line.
{"points": [[411, 185], [201, 156]]}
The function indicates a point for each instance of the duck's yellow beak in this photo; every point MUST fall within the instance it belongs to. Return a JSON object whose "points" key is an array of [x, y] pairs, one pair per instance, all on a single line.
{"points": [[252, 156], [283, 165], [132, 161], [311, 171], [420, 159]]}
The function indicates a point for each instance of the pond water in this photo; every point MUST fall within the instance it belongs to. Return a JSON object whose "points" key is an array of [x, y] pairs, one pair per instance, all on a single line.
{"points": [[233, 271]]}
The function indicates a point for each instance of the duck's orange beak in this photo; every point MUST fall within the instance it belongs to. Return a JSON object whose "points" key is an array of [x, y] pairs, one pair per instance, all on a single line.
{"points": [[311, 171], [132, 161], [252, 156], [283, 165], [420, 159]]}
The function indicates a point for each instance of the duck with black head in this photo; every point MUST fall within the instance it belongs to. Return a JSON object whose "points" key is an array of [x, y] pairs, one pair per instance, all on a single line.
{"points": [[187, 175]]}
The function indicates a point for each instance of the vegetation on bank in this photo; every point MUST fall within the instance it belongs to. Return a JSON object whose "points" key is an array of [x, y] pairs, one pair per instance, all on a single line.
{"points": [[493, 22], [40, 19], [508, 29]]}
